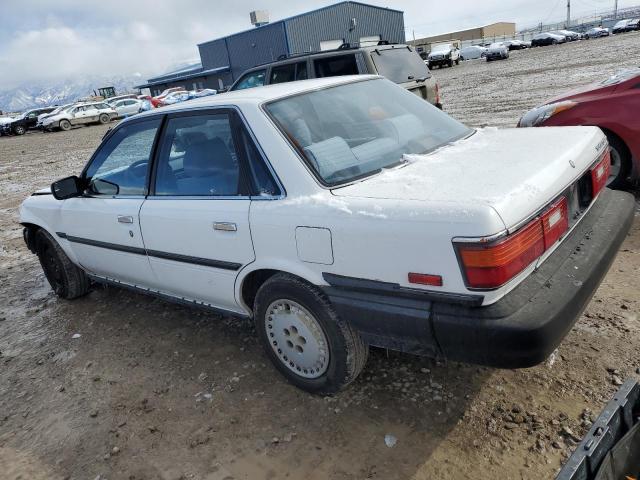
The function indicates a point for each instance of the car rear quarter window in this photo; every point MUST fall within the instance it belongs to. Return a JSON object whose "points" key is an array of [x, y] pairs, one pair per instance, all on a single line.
{"points": [[336, 65]]}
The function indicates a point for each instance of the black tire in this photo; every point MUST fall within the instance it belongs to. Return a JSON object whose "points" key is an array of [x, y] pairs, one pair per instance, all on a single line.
{"points": [[450, 63], [103, 118], [458, 61], [462, 59], [347, 351], [66, 280], [19, 130], [65, 125], [619, 152]]}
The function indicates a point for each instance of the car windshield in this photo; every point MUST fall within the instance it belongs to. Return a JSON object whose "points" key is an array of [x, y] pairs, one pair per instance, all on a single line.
{"points": [[496, 45], [399, 64], [441, 48], [354, 130]]}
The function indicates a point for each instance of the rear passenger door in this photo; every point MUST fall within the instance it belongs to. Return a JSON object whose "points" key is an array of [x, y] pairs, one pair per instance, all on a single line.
{"points": [[195, 222]]}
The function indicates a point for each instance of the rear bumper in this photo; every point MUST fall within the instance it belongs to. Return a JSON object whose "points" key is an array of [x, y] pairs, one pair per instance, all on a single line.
{"points": [[520, 330]]}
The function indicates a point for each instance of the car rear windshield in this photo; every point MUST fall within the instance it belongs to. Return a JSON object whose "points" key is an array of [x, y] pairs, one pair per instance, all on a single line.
{"points": [[399, 65], [354, 130]]}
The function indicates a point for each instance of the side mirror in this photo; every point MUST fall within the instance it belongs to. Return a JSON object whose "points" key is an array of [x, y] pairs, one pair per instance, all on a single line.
{"points": [[66, 188]]}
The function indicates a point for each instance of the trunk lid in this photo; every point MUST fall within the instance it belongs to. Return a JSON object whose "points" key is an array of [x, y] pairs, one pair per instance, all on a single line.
{"points": [[514, 171]]}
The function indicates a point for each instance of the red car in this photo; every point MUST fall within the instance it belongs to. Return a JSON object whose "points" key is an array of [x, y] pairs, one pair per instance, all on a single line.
{"points": [[155, 103], [614, 106]]}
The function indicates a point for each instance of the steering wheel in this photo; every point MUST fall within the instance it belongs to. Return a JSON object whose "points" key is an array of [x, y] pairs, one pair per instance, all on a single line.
{"points": [[137, 171]]}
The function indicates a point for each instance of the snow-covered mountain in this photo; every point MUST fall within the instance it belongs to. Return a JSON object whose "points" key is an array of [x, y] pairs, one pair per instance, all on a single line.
{"points": [[59, 92]]}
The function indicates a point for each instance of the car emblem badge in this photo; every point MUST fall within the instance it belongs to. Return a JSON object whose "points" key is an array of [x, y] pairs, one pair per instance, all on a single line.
{"points": [[572, 163]]}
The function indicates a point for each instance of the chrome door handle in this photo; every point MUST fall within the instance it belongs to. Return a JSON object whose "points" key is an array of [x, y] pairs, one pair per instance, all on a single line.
{"points": [[125, 219], [225, 226]]}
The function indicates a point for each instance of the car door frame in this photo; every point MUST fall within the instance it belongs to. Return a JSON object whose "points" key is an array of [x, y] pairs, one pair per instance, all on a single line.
{"points": [[129, 220], [238, 124]]}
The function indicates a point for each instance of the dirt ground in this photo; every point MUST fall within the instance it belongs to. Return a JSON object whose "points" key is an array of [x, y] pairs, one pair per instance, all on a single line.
{"points": [[152, 390]]}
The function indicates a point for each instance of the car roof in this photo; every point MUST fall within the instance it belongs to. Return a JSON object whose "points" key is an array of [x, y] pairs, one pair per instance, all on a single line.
{"points": [[300, 57], [259, 95]]}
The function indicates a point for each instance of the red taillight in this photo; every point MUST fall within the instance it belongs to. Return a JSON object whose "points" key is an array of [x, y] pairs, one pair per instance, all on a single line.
{"points": [[600, 173], [555, 222], [491, 265], [425, 279]]}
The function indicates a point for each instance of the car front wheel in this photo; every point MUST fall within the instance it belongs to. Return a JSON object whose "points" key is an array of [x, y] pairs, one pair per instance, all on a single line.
{"points": [[65, 125], [19, 130], [66, 280], [305, 338]]}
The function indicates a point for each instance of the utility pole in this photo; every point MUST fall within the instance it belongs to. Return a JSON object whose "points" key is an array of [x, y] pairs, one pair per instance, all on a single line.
{"points": [[615, 10], [569, 12]]}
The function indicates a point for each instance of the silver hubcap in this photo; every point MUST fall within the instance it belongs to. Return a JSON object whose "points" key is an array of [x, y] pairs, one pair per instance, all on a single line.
{"points": [[297, 338], [616, 165]]}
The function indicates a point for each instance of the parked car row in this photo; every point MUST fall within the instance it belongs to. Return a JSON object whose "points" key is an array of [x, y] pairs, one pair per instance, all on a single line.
{"points": [[64, 117], [179, 94], [628, 25]]}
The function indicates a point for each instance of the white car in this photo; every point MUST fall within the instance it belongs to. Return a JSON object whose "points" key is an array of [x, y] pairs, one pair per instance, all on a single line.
{"points": [[55, 112], [340, 213], [80, 114], [127, 107], [497, 51], [472, 52]]}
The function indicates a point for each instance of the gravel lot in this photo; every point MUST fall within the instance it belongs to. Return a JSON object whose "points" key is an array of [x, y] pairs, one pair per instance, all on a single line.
{"points": [[156, 391]]}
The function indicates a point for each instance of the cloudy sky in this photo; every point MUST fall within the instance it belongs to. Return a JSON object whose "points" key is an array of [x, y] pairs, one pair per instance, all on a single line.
{"points": [[43, 40]]}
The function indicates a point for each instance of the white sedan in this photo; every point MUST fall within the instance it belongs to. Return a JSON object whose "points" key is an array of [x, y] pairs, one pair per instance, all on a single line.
{"points": [[472, 52], [340, 213], [127, 107]]}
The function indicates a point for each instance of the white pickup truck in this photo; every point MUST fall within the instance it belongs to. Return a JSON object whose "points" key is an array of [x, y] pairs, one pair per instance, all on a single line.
{"points": [[340, 213], [446, 53]]}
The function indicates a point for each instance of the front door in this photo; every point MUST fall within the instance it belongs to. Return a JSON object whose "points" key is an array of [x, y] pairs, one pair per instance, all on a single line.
{"points": [[103, 226], [195, 223]]}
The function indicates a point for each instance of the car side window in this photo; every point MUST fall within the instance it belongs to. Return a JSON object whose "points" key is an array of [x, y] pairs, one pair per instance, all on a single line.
{"points": [[336, 65], [263, 183], [251, 80], [198, 157], [288, 72], [121, 165]]}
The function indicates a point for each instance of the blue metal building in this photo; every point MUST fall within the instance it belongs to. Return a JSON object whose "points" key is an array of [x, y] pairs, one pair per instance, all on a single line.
{"points": [[224, 59]]}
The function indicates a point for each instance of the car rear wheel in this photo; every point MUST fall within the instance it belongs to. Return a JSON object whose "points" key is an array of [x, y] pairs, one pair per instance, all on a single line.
{"points": [[620, 163], [305, 338], [66, 280], [65, 125], [104, 118], [19, 130]]}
